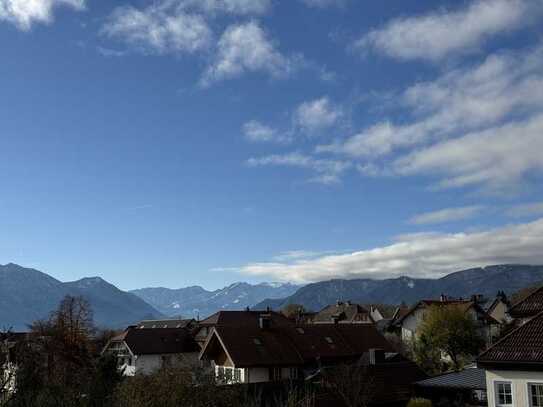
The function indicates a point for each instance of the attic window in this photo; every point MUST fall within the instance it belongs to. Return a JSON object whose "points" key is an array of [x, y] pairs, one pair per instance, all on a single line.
{"points": [[143, 326], [328, 339], [257, 341], [300, 330]]}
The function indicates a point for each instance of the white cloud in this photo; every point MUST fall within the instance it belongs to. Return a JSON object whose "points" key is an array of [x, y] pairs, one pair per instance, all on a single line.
{"points": [[524, 210], [23, 13], [438, 34], [446, 215], [256, 131], [327, 171], [241, 7], [324, 3], [421, 255], [461, 100], [245, 48], [317, 114], [160, 28], [495, 158]]}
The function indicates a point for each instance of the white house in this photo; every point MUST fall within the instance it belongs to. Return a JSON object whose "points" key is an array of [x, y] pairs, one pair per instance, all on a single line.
{"points": [[151, 345], [411, 321], [514, 367]]}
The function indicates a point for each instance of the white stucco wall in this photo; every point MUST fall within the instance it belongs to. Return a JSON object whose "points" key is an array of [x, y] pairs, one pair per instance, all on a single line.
{"points": [[519, 383]]}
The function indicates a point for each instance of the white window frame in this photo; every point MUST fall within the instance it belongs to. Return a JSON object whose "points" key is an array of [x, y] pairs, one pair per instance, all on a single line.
{"points": [[496, 399], [529, 393]]}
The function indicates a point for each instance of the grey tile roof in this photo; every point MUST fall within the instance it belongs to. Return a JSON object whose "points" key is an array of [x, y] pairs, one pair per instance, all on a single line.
{"points": [[470, 378]]}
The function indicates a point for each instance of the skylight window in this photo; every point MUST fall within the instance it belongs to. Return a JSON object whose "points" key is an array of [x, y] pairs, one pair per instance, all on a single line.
{"points": [[257, 341], [328, 339]]}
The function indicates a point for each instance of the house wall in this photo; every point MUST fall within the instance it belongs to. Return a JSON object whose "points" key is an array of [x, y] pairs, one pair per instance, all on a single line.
{"points": [[499, 313], [411, 324], [148, 364], [519, 381]]}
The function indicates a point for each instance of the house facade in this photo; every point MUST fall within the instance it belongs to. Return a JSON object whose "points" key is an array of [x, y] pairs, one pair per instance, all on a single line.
{"points": [[412, 320], [152, 345], [514, 367]]}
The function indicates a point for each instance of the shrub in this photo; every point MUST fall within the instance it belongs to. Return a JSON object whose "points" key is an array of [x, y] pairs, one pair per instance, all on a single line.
{"points": [[419, 402]]}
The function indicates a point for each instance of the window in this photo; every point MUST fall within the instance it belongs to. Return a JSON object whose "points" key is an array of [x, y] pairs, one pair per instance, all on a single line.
{"points": [[220, 373], [504, 394], [228, 375], [276, 374], [237, 375], [535, 391]]}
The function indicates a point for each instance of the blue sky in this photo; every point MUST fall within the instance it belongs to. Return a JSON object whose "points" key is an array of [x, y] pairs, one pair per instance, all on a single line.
{"points": [[181, 142]]}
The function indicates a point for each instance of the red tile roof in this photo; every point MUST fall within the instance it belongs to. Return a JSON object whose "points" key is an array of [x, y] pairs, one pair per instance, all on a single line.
{"points": [[344, 312], [520, 349]]}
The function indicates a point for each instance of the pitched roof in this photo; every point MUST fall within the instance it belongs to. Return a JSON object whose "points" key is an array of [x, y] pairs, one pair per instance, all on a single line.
{"points": [[243, 319], [295, 345], [165, 323], [529, 306], [158, 341], [344, 312], [522, 348], [470, 378], [464, 305]]}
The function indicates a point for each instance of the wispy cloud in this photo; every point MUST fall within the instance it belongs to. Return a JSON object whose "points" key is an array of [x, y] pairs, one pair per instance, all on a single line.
{"points": [[316, 115], [256, 132], [423, 255], [438, 34], [327, 171], [446, 215], [473, 126], [160, 28], [246, 47], [525, 210], [325, 3], [24, 13]]}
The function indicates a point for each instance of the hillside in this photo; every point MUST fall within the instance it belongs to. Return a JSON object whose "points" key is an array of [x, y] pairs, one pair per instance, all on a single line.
{"points": [[196, 301], [486, 281], [28, 294]]}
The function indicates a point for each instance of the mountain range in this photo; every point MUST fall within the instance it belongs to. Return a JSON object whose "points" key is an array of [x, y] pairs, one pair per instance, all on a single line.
{"points": [[485, 280], [27, 295], [196, 302]]}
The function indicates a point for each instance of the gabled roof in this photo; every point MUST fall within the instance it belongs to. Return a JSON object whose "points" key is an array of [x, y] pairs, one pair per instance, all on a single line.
{"points": [[243, 319], [521, 349], [157, 341], [295, 345], [529, 306], [464, 305], [344, 312]]}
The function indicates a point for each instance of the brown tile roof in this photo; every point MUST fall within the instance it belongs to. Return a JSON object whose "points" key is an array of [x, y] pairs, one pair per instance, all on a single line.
{"points": [[165, 323], [158, 341], [521, 348], [344, 312], [243, 319], [297, 344], [529, 306]]}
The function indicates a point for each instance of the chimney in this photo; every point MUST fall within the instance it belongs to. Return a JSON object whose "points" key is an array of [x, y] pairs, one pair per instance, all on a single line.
{"points": [[377, 356], [442, 298], [264, 321]]}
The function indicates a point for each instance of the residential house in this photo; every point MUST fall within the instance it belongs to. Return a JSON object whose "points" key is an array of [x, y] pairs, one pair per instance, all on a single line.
{"points": [[268, 349], [151, 345], [343, 313], [499, 308], [412, 320], [528, 307], [376, 313], [514, 367]]}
